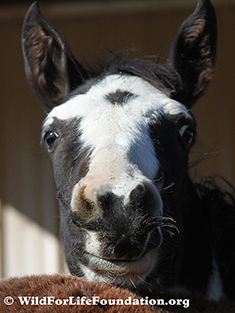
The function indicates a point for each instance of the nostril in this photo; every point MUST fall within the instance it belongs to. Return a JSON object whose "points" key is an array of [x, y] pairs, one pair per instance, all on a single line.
{"points": [[146, 197], [80, 202], [137, 195], [81, 196], [140, 189]]}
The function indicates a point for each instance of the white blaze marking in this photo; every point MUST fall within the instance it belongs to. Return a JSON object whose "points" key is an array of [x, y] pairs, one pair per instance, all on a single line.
{"points": [[119, 134]]}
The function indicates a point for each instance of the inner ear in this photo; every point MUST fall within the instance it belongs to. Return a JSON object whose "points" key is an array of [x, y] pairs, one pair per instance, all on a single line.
{"points": [[50, 67], [194, 53]]}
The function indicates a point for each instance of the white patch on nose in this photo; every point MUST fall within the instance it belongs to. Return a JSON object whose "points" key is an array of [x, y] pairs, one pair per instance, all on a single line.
{"points": [[92, 243]]}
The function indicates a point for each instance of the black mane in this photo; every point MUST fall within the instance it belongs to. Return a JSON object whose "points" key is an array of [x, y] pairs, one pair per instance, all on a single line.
{"points": [[220, 207]]}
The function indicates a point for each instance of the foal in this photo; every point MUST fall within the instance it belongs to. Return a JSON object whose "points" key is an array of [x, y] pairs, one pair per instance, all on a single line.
{"points": [[119, 141]]}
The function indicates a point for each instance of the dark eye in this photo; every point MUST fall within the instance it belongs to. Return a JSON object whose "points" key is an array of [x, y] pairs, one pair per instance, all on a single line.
{"points": [[50, 139], [187, 134]]}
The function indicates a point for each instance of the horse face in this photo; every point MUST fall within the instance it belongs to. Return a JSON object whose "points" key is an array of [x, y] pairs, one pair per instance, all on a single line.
{"points": [[119, 144], [105, 147]]}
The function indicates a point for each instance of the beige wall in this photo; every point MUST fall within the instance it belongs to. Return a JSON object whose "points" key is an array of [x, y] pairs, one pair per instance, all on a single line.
{"points": [[29, 215]]}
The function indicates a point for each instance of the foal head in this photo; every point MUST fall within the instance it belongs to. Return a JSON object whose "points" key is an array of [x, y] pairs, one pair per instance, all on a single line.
{"points": [[117, 140]]}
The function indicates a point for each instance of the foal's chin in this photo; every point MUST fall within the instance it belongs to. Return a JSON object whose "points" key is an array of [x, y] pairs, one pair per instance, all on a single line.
{"points": [[122, 273]]}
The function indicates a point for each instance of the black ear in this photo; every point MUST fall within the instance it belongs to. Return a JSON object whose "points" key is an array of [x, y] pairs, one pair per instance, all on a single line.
{"points": [[50, 67], [194, 52]]}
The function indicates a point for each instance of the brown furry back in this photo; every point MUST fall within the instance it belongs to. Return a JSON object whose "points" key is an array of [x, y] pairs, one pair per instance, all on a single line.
{"points": [[63, 287]]}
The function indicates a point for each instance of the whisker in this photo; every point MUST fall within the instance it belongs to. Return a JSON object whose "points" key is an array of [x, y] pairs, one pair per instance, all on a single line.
{"points": [[158, 179], [169, 186], [133, 283]]}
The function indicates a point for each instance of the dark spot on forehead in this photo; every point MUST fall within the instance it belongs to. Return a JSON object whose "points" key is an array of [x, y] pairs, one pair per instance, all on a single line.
{"points": [[119, 97]]}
